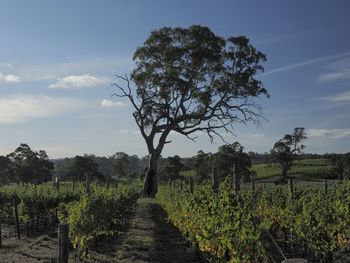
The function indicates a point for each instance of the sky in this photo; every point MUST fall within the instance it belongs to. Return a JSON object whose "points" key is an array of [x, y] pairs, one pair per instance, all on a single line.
{"points": [[58, 60]]}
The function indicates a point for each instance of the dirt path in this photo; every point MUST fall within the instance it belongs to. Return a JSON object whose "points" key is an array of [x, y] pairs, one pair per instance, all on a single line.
{"points": [[149, 238]]}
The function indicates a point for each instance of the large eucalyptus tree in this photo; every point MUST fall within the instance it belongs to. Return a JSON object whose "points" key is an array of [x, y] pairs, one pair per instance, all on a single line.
{"points": [[189, 80]]}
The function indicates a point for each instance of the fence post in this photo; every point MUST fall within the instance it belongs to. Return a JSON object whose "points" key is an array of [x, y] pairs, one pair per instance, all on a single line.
{"points": [[191, 184], [253, 185], [15, 208], [290, 184], [108, 183], [235, 179], [215, 180], [63, 243], [57, 184], [0, 235], [87, 183], [116, 183], [325, 185], [181, 184]]}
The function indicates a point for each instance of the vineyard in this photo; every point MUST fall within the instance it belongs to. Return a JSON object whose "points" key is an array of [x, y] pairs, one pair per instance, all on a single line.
{"points": [[265, 225], [100, 213]]}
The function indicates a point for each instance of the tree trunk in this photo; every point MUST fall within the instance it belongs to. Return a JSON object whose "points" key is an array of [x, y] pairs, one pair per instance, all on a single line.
{"points": [[150, 181]]}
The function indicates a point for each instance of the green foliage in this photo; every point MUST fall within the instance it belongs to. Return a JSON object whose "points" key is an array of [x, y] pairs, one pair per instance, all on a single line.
{"points": [[222, 225], [29, 166], [318, 168], [99, 214], [228, 155], [286, 149], [83, 166], [170, 170], [231, 227], [201, 164], [89, 217]]}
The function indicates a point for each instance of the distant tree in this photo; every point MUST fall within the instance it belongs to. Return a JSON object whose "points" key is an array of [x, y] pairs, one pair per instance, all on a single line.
{"points": [[5, 170], [83, 166], [233, 154], [171, 169], [285, 150], [29, 166], [120, 165], [202, 164], [190, 80], [346, 163]]}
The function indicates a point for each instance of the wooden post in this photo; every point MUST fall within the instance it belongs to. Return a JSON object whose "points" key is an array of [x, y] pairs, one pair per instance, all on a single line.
{"points": [[108, 183], [0, 235], [253, 185], [57, 184], [116, 183], [181, 184], [294, 260], [63, 243], [236, 182], [191, 184], [87, 183], [290, 184], [215, 180], [15, 208], [325, 185]]}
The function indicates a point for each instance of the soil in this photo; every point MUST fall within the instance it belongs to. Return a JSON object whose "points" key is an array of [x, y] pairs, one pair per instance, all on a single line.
{"points": [[146, 237]]}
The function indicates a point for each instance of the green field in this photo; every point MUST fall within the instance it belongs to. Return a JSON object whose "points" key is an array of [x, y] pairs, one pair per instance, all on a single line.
{"points": [[311, 167]]}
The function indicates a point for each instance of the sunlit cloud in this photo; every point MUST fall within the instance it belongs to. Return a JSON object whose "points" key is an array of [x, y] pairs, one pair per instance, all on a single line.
{"points": [[17, 108], [112, 104], [79, 82], [9, 78]]}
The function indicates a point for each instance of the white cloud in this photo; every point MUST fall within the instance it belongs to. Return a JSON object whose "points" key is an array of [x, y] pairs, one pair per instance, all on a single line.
{"points": [[79, 82], [129, 131], [52, 71], [340, 70], [112, 104], [332, 134], [343, 97], [17, 108], [305, 63], [9, 78]]}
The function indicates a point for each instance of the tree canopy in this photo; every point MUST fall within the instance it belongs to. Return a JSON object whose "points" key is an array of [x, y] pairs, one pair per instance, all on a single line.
{"points": [[286, 149], [190, 80], [29, 166]]}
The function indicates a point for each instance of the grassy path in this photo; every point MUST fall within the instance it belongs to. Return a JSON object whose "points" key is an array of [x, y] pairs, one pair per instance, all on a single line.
{"points": [[148, 238]]}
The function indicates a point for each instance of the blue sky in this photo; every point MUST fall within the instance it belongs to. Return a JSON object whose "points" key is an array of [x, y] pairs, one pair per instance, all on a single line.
{"points": [[58, 59]]}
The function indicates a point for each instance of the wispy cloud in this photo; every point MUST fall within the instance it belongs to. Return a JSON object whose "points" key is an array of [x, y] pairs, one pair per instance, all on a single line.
{"points": [[331, 134], [305, 63], [51, 71], [79, 82], [340, 70], [17, 108], [129, 131], [343, 97], [112, 104], [9, 78]]}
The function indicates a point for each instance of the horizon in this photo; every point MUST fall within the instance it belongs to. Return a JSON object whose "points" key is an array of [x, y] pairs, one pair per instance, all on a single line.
{"points": [[58, 60]]}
